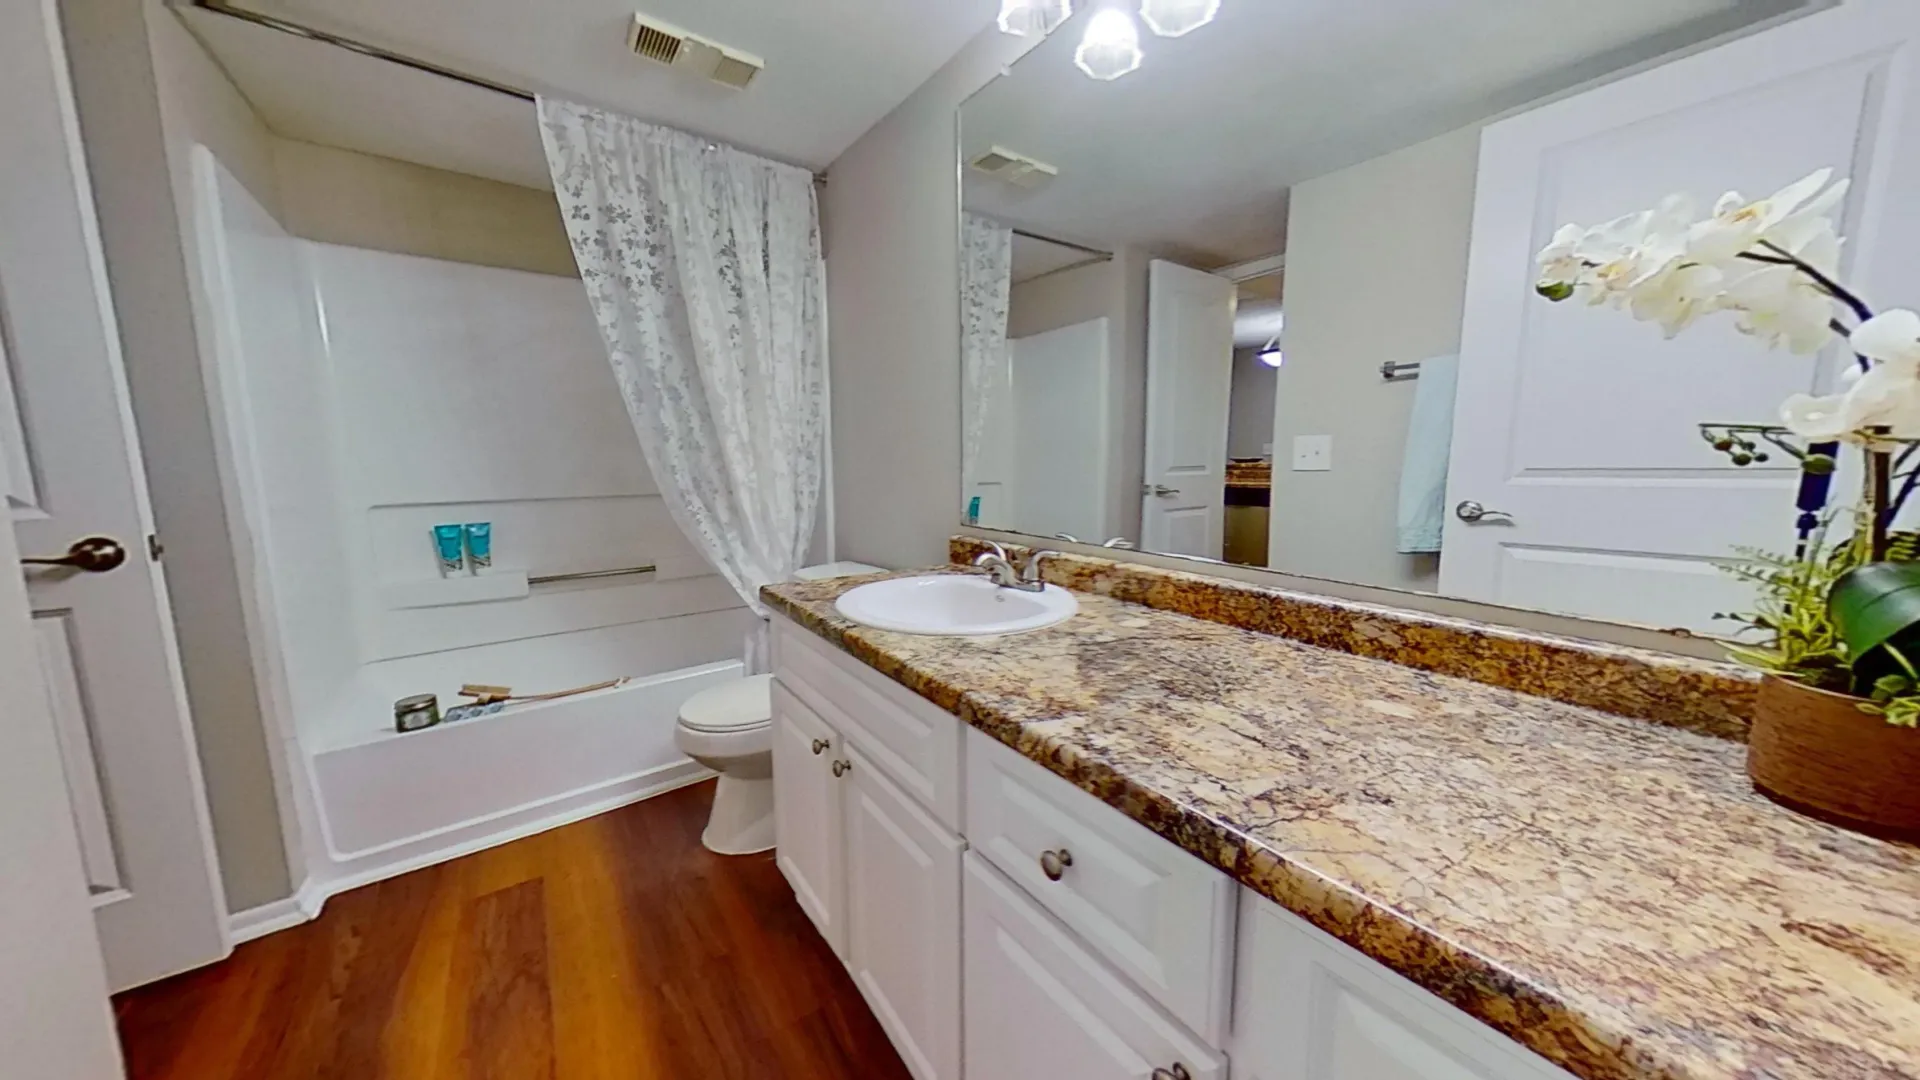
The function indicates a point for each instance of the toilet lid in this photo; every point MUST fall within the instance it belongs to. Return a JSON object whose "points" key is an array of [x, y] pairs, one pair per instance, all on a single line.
{"points": [[734, 706]]}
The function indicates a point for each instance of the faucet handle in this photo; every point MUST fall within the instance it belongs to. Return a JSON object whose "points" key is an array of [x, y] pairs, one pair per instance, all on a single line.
{"points": [[998, 552], [1031, 572]]}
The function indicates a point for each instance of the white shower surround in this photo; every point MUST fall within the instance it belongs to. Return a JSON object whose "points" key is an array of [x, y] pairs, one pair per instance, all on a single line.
{"points": [[364, 396], [704, 269]]}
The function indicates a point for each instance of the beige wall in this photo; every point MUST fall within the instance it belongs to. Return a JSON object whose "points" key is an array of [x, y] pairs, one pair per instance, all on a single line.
{"points": [[893, 285], [135, 68], [1116, 290], [1376, 271], [341, 197]]}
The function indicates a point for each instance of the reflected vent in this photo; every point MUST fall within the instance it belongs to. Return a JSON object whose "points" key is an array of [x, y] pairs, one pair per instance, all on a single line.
{"points": [[1016, 169]]}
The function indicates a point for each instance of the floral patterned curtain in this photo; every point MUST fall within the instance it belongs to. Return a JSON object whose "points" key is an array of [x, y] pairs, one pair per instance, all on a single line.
{"points": [[986, 287], [704, 268]]}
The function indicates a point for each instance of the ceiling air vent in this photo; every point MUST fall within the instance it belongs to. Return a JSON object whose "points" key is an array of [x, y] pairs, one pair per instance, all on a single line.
{"points": [[692, 54], [1016, 169]]}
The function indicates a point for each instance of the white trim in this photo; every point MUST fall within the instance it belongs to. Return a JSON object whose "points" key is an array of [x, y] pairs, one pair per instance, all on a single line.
{"points": [[491, 831], [258, 922], [1253, 268]]}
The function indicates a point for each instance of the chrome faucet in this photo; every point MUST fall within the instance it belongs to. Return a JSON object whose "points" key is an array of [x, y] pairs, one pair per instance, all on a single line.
{"points": [[1001, 569]]}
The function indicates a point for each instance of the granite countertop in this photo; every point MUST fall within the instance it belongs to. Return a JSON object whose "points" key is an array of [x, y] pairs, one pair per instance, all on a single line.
{"points": [[1607, 891]]}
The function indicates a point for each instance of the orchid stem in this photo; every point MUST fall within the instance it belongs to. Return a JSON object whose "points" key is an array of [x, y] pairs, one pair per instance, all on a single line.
{"points": [[1833, 288]]}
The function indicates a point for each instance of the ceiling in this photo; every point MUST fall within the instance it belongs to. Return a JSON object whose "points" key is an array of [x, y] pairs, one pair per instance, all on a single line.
{"points": [[1191, 157], [834, 68]]}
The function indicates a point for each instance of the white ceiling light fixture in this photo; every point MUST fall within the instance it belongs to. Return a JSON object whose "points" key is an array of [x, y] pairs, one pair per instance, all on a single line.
{"points": [[1112, 46], [1031, 18], [1178, 18]]}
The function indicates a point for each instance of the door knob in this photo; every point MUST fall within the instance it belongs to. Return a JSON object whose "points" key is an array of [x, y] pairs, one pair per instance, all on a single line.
{"points": [[820, 747], [1054, 863], [1473, 513], [840, 768], [93, 555], [1178, 1072], [1161, 490]]}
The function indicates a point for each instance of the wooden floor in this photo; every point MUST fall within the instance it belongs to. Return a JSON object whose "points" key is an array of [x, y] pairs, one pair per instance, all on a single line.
{"points": [[617, 947]]}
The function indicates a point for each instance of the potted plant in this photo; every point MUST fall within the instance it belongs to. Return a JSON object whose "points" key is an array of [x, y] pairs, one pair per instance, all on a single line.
{"points": [[1836, 626]]}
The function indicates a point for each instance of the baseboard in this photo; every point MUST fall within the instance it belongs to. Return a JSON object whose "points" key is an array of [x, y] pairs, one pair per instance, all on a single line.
{"points": [[257, 922], [519, 823]]}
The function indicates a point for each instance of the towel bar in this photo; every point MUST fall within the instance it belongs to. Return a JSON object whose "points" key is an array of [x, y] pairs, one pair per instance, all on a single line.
{"points": [[589, 575]]}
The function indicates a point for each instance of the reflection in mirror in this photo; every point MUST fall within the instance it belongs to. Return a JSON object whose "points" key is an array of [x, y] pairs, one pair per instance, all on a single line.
{"points": [[1268, 298]]}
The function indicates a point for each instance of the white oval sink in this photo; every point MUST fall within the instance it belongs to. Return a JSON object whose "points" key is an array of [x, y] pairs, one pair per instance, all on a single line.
{"points": [[952, 605]]}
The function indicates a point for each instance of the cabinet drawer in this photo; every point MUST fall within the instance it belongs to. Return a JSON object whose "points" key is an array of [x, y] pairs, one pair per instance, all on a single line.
{"points": [[1306, 1005], [1163, 917], [915, 743], [1039, 1006]]}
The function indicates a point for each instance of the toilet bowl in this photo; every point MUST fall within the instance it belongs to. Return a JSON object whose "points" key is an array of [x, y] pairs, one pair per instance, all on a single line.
{"points": [[729, 729]]}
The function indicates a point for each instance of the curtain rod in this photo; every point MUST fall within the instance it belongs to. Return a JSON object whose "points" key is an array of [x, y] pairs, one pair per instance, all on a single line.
{"points": [[1063, 243], [300, 30]]}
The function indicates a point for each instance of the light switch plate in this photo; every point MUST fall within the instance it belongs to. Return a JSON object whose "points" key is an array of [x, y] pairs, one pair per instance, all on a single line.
{"points": [[1313, 453]]}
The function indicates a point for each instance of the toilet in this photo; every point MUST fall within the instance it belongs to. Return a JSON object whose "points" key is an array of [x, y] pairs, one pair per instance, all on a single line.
{"points": [[729, 729]]}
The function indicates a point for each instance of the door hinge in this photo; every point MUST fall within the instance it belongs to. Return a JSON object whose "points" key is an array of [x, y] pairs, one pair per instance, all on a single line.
{"points": [[155, 548]]}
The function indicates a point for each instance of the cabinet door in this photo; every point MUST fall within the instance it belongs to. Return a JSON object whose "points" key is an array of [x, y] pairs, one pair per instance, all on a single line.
{"points": [[807, 814], [903, 919], [1039, 1006], [1307, 1007]]}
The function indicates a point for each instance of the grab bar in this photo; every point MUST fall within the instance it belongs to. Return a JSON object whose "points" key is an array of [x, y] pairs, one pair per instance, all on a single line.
{"points": [[590, 575]]}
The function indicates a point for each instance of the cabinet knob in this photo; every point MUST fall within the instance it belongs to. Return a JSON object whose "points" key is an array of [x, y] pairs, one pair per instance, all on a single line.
{"points": [[841, 768], [820, 747], [1054, 863], [1178, 1072]]}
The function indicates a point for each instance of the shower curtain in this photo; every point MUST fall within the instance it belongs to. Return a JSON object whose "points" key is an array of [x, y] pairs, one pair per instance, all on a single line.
{"points": [[986, 290], [703, 265]]}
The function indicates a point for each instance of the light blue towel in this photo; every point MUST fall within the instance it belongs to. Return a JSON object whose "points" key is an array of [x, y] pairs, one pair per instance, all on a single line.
{"points": [[1423, 473]]}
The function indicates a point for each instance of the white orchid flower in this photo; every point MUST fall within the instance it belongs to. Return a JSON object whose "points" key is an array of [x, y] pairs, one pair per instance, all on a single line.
{"points": [[1780, 307], [1738, 225], [1677, 296], [1887, 396]]}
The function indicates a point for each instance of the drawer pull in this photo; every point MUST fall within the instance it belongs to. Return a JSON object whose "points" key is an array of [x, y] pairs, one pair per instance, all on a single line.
{"points": [[820, 747], [1178, 1072], [1054, 863], [841, 768]]}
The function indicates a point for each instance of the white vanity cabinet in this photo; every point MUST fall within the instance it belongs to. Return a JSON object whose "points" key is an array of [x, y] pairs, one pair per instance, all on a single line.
{"points": [[1005, 925], [874, 866]]}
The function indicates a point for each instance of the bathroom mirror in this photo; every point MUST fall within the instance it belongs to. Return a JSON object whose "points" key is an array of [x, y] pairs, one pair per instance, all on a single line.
{"points": [[1267, 298]]}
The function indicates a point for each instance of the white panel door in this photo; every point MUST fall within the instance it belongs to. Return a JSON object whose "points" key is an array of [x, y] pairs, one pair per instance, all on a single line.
{"points": [[806, 814], [54, 1020], [1060, 381], [1578, 425], [1189, 395], [903, 919], [104, 638], [1041, 1007]]}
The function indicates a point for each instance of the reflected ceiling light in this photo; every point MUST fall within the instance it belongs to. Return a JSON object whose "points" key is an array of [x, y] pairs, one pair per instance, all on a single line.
{"points": [[1030, 18], [1272, 356], [1112, 45], [1176, 18]]}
